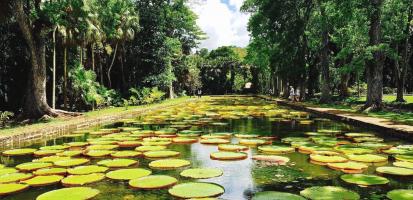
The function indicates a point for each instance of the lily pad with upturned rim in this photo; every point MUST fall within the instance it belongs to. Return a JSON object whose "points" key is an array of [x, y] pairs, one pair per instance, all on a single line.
{"points": [[368, 158], [329, 193], [407, 158], [79, 180], [223, 155], [8, 170], [38, 181], [150, 148], [52, 159], [161, 154], [117, 162], [14, 177], [10, 188], [55, 147], [153, 182], [89, 169], [98, 153], [327, 159], [403, 164], [71, 162], [202, 173], [196, 190], [167, 164], [253, 142], [232, 147], [183, 140], [276, 149], [273, 195], [19, 152], [214, 141], [76, 193], [126, 154], [50, 171], [48, 152], [128, 174], [70, 153], [397, 171], [348, 167], [31, 166], [400, 194], [363, 179]]}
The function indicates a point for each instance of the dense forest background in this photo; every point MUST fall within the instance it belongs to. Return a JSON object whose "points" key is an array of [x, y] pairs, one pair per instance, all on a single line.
{"points": [[78, 55]]}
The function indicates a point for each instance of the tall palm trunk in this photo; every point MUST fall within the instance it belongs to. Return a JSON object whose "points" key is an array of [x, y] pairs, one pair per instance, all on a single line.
{"points": [[324, 58], [401, 71]]}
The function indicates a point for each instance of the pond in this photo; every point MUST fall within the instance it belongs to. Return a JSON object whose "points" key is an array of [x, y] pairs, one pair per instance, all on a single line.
{"points": [[190, 131]]}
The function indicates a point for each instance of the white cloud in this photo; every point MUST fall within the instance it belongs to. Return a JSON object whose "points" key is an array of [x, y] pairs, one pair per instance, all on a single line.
{"points": [[223, 24]]}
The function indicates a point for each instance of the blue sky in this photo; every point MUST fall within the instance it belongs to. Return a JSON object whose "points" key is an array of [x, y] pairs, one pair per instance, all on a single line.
{"points": [[222, 21]]}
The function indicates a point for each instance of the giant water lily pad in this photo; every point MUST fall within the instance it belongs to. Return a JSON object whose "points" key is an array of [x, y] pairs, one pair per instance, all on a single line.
{"points": [[71, 162], [407, 158], [161, 154], [223, 155], [126, 154], [311, 148], [47, 152], [273, 160], [348, 167], [10, 188], [14, 177], [276, 149], [70, 153], [98, 153], [169, 164], [196, 190], [232, 147], [150, 148], [272, 195], [31, 166], [363, 179], [246, 135], [128, 174], [79, 180], [52, 159], [398, 171], [19, 152], [129, 143], [404, 164], [400, 194], [318, 158], [76, 193], [77, 144], [368, 158], [353, 149], [253, 142], [102, 147], [89, 169], [118, 162], [50, 171], [329, 193], [38, 181], [214, 141], [153, 182], [55, 147], [201, 173], [7, 170], [359, 134], [183, 140]]}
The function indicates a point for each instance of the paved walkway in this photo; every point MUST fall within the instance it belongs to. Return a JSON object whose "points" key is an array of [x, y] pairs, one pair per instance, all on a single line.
{"points": [[378, 124]]}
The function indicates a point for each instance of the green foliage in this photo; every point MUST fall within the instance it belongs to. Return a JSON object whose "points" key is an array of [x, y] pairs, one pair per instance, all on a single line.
{"points": [[5, 117], [145, 95]]}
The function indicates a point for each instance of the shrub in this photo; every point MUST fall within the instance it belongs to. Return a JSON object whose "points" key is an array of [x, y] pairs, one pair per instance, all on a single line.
{"points": [[5, 117]]}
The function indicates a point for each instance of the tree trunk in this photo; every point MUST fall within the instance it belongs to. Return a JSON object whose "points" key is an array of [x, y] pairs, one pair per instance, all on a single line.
{"points": [[65, 77], [324, 58], [406, 54], [35, 104], [54, 70], [344, 92], [111, 66], [374, 71]]}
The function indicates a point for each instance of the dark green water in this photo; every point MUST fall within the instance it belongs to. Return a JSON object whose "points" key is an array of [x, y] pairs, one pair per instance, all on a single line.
{"points": [[241, 179]]}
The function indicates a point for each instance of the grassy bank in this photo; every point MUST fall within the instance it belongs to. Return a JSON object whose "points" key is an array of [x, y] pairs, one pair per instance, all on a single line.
{"points": [[87, 116]]}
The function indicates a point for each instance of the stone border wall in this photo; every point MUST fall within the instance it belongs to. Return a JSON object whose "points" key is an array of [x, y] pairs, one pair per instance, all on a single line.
{"points": [[32, 136]]}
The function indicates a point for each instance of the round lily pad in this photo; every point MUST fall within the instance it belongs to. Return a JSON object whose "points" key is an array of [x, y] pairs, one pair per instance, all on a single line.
{"points": [[407, 158], [404, 164], [161, 154], [47, 152], [232, 147], [102, 147], [14, 177], [253, 142], [196, 190], [368, 158], [98, 153], [246, 135], [117, 162], [79, 180], [7, 170], [128, 174], [43, 180], [275, 160], [353, 149], [214, 141], [55, 147], [169, 164], [348, 167], [223, 155], [129, 143], [400, 194], [71, 162], [359, 134], [77, 144], [329, 193], [182, 140], [153, 182], [89, 169], [272, 195], [201, 173], [50, 171], [327, 158], [19, 152], [398, 171], [150, 148], [76, 193], [126, 154], [31, 166], [10, 188], [276, 149], [52, 159], [70, 153], [363, 179]]}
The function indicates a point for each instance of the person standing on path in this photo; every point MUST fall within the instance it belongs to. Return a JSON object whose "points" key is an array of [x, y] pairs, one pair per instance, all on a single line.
{"points": [[292, 93], [199, 93], [297, 95]]}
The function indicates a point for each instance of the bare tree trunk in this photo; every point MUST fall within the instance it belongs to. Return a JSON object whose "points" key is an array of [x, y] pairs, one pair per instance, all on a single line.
{"points": [[324, 58], [344, 92], [54, 70], [406, 55], [111, 66], [374, 71], [65, 77]]}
